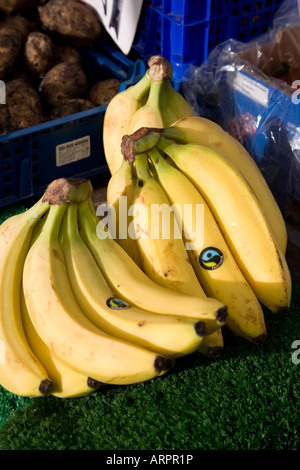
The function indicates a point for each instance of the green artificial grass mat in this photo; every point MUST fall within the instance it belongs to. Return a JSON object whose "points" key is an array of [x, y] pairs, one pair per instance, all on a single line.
{"points": [[247, 399]]}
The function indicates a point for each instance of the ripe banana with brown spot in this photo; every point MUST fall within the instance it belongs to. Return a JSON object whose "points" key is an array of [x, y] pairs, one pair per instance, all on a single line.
{"points": [[163, 253], [21, 372], [119, 195]]}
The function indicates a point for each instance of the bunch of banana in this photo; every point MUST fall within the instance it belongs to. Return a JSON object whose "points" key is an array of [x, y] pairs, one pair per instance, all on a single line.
{"points": [[152, 102], [239, 258], [76, 312]]}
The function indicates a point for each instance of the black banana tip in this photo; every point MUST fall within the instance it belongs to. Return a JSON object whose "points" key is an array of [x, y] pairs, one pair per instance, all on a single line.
{"points": [[46, 387], [260, 339], [92, 383], [215, 351], [162, 364], [200, 328], [222, 314], [282, 310]]}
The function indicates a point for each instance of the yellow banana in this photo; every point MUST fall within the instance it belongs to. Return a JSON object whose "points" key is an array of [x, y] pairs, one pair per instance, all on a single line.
{"points": [[164, 259], [67, 382], [63, 326], [168, 335], [117, 117], [210, 256], [130, 283], [196, 129], [212, 345], [21, 372], [163, 253], [119, 198], [149, 115], [240, 218], [175, 105]]}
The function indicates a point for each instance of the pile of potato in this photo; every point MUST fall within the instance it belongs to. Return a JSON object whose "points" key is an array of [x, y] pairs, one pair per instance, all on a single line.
{"points": [[41, 61]]}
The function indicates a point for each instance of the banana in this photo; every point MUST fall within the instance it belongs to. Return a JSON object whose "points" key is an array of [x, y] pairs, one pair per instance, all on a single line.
{"points": [[161, 256], [175, 105], [212, 345], [67, 382], [119, 198], [130, 283], [59, 321], [164, 334], [196, 129], [219, 275], [21, 372], [149, 115], [164, 257], [240, 218], [117, 117], [168, 113]]}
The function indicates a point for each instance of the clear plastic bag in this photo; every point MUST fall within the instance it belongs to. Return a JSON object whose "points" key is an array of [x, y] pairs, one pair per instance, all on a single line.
{"points": [[250, 89]]}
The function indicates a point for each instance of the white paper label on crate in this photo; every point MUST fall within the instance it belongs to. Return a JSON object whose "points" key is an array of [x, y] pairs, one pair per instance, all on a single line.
{"points": [[251, 88], [72, 151], [120, 19]]}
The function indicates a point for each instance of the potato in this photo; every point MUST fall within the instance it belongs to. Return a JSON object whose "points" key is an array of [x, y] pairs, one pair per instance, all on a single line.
{"points": [[103, 91], [9, 6], [75, 105], [64, 81], [24, 106], [39, 53], [10, 49], [70, 20]]}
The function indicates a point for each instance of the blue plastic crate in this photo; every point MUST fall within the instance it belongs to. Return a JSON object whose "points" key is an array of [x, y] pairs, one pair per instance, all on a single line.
{"points": [[70, 146], [249, 19], [265, 120], [185, 31], [183, 11]]}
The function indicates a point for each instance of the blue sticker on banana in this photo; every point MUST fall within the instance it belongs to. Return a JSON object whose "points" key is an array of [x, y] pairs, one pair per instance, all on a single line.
{"points": [[117, 304], [211, 258]]}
